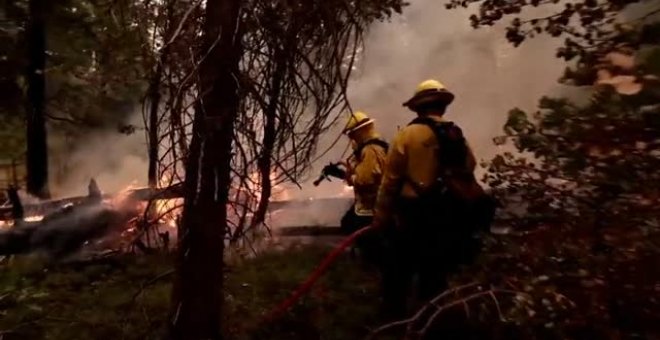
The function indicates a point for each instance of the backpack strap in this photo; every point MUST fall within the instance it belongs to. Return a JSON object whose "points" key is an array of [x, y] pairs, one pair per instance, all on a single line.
{"points": [[453, 154], [450, 138], [375, 141], [455, 198]]}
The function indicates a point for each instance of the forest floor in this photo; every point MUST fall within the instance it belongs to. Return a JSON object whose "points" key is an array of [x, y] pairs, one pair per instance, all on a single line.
{"points": [[127, 297], [565, 290]]}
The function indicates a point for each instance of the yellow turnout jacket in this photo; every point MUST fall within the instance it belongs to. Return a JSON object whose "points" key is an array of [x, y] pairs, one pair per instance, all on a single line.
{"points": [[411, 157], [367, 171]]}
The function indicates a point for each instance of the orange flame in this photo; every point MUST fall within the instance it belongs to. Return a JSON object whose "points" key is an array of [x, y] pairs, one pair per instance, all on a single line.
{"points": [[167, 210]]}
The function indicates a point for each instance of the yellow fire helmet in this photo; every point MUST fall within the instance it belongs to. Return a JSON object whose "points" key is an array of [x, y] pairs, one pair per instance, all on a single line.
{"points": [[356, 121], [429, 91]]}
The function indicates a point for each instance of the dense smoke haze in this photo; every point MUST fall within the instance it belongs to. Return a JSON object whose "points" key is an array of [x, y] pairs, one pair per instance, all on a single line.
{"points": [[115, 160], [487, 74]]}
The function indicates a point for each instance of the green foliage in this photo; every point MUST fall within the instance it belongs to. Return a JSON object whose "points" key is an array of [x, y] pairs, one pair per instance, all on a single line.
{"points": [[82, 301], [590, 28], [340, 306], [95, 72], [582, 23], [595, 161], [584, 175], [560, 294], [12, 128], [95, 69], [10, 60], [12, 135], [96, 301], [563, 294]]}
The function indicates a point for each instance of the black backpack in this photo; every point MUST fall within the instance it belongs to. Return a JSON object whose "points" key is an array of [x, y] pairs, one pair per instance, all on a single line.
{"points": [[455, 198]]}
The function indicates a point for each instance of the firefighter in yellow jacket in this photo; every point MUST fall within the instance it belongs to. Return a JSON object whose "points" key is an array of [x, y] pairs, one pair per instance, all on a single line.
{"points": [[412, 165], [364, 172]]}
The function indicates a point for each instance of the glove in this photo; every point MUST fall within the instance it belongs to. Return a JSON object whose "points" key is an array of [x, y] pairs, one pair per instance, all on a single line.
{"points": [[334, 171]]}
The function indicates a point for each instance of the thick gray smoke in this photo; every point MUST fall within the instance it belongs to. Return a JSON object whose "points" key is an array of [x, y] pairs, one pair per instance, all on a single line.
{"points": [[113, 159], [487, 74]]}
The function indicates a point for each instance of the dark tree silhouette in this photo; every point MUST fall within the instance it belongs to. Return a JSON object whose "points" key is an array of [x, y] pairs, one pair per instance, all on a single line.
{"points": [[197, 293], [37, 146]]}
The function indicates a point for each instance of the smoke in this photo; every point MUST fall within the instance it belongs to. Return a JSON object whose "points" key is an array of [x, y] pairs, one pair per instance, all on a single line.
{"points": [[114, 159], [316, 212], [487, 74]]}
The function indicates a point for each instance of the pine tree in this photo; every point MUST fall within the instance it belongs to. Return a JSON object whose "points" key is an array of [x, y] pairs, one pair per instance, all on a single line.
{"points": [[593, 162]]}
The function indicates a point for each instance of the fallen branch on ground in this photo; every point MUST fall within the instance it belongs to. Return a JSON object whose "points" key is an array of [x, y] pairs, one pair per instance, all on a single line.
{"points": [[151, 282], [437, 304]]}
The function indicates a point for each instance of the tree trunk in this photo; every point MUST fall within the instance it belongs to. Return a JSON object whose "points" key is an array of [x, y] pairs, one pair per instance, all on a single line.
{"points": [[264, 163], [197, 293], [155, 98], [154, 101], [37, 152]]}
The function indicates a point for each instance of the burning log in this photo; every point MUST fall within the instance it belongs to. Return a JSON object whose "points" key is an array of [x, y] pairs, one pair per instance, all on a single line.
{"points": [[62, 232], [46, 207], [67, 229]]}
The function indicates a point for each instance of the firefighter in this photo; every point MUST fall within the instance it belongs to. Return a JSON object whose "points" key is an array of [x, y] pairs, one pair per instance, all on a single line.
{"points": [[419, 247], [364, 169]]}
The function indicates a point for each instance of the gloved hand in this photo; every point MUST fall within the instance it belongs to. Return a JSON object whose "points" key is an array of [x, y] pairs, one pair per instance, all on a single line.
{"points": [[349, 171], [334, 170]]}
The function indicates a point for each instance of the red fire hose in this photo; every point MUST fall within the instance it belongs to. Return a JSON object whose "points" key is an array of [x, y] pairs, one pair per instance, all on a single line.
{"points": [[315, 275]]}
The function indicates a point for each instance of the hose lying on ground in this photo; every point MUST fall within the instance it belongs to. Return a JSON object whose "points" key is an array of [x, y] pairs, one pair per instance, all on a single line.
{"points": [[304, 287]]}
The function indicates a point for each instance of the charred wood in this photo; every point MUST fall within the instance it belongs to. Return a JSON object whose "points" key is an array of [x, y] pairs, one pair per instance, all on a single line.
{"points": [[46, 207], [62, 232], [17, 212]]}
